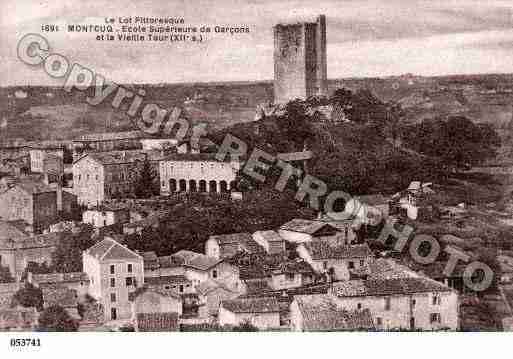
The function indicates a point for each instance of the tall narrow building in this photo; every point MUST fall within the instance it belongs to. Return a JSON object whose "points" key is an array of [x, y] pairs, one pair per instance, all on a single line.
{"points": [[300, 69]]}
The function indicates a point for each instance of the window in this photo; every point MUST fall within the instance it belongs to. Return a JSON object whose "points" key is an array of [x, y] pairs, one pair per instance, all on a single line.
{"points": [[362, 262], [325, 264], [112, 282], [435, 318], [351, 265], [166, 287], [214, 274], [128, 281], [97, 177], [79, 177], [289, 276], [181, 288], [359, 306], [387, 304], [413, 302], [113, 297], [104, 224], [113, 314], [437, 300], [379, 321], [129, 268], [112, 269]]}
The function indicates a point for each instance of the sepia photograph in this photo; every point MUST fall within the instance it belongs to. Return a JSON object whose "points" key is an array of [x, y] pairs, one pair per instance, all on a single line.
{"points": [[260, 170]]}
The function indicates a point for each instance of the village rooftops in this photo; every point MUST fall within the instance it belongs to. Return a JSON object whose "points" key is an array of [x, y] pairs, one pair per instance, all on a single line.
{"points": [[111, 136], [269, 236], [157, 322], [123, 157], [386, 287], [322, 250], [304, 226], [197, 260], [132, 296], [210, 285], [59, 295], [168, 279], [387, 269], [252, 305], [109, 249], [321, 313], [59, 278], [233, 243]]}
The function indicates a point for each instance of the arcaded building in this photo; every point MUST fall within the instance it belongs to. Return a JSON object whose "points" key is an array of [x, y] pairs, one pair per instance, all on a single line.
{"points": [[300, 68], [196, 172]]}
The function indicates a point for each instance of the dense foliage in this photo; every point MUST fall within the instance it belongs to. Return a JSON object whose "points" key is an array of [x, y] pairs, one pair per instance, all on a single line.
{"points": [[28, 296], [56, 319]]}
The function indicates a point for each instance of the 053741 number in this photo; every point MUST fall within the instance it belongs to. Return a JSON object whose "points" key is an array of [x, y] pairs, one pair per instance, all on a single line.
{"points": [[27, 342]]}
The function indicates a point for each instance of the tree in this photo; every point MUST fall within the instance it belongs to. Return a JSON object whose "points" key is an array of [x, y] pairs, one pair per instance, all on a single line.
{"points": [[67, 256], [295, 123], [35, 268], [29, 296], [56, 319], [145, 185], [5, 275]]}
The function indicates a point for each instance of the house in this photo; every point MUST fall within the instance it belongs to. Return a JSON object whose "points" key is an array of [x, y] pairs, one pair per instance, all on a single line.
{"points": [[32, 201], [368, 209], [320, 312], [299, 231], [99, 176], [197, 172], [153, 300], [200, 268], [115, 271], [77, 281], [7, 292], [411, 303], [106, 215], [261, 312], [18, 248], [62, 296], [270, 241], [228, 245], [210, 294], [336, 261], [178, 284], [47, 162], [291, 274], [347, 234], [19, 319], [157, 322]]}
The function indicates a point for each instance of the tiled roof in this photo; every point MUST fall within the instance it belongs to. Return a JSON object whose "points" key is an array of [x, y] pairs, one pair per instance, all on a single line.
{"points": [[304, 226], [188, 157], [321, 313], [372, 199], [54, 278], [119, 157], [252, 305], [387, 269], [323, 250], [197, 260], [293, 266], [168, 279], [231, 238], [257, 287], [170, 261], [157, 322], [269, 236], [110, 249], [18, 318], [144, 289], [107, 136], [234, 243], [209, 285], [59, 295], [384, 287]]}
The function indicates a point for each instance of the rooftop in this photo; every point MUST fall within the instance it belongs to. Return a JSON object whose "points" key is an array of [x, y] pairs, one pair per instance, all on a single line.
{"points": [[122, 157], [252, 305], [321, 313], [323, 250], [109, 249], [168, 279], [269, 236], [385, 287], [305, 226], [54, 278], [197, 260], [157, 322]]}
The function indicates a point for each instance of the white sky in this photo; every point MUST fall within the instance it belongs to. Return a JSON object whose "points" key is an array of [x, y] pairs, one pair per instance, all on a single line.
{"points": [[365, 38]]}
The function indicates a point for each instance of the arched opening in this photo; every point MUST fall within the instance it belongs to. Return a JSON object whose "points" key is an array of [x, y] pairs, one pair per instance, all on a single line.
{"points": [[172, 185], [202, 186], [212, 186], [183, 185], [224, 186], [233, 185], [192, 186]]}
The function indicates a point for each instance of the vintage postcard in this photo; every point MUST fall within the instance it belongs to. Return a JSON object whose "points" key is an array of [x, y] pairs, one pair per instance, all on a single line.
{"points": [[255, 166]]}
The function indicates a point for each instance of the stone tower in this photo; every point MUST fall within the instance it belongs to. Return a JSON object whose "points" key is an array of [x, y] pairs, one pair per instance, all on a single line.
{"points": [[300, 60]]}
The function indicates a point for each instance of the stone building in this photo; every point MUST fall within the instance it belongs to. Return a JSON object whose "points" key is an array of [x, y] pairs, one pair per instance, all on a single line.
{"points": [[48, 162], [263, 313], [106, 215], [100, 176], [29, 200], [196, 172], [300, 68], [114, 272], [18, 248]]}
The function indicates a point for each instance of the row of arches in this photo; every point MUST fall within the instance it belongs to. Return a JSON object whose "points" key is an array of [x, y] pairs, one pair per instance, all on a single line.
{"points": [[183, 185]]}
